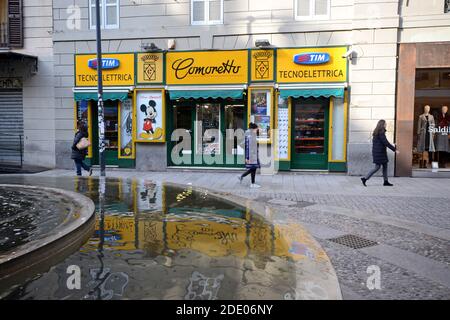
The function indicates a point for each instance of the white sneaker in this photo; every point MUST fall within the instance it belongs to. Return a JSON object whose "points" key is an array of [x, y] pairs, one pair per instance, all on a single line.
{"points": [[240, 179], [254, 185]]}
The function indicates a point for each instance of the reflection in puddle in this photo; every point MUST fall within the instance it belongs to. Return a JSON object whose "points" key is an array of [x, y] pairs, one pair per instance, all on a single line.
{"points": [[166, 242]]}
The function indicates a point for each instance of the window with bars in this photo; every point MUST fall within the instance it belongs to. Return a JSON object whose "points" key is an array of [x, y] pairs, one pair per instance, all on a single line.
{"points": [[312, 9], [109, 14], [206, 12]]}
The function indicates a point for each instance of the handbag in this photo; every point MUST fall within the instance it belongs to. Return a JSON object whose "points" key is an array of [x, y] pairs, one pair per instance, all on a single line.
{"points": [[83, 143]]}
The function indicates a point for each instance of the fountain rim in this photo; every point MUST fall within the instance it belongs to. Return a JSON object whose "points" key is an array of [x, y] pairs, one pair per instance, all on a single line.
{"points": [[86, 212]]}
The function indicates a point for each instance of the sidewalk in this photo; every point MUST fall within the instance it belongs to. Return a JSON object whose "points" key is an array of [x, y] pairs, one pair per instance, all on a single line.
{"points": [[409, 224]]}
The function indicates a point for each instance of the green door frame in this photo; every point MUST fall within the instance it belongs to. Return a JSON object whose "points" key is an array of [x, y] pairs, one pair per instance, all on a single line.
{"points": [[191, 104], [311, 161]]}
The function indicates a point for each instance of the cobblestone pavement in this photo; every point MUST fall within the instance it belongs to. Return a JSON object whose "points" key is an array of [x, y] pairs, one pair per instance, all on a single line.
{"points": [[410, 223]]}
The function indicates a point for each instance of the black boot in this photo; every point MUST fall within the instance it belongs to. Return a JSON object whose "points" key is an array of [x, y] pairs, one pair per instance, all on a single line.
{"points": [[387, 184], [425, 164], [364, 181]]}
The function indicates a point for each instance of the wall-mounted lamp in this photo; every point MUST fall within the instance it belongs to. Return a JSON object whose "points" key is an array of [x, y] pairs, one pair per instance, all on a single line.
{"points": [[263, 43], [150, 47]]}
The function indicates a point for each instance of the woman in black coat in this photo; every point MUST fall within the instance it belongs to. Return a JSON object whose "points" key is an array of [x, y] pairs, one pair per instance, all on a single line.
{"points": [[379, 153], [78, 156]]}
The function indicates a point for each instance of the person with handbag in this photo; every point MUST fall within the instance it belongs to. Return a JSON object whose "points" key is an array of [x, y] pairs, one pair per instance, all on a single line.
{"points": [[80, 148]]}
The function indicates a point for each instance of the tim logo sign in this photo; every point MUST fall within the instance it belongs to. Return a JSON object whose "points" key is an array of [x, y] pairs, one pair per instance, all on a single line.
{"points": [[312, 58], [107, 63]]}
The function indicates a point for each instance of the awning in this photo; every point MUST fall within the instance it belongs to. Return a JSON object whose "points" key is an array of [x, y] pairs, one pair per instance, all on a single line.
{"points": [[108, 94], [316, 92], [205, 94]]}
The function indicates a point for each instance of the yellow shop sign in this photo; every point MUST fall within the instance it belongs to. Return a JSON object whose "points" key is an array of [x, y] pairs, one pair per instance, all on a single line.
{"points": [[118, 70], [207, 67], [311, 65], [150, 68], [262, 65]]}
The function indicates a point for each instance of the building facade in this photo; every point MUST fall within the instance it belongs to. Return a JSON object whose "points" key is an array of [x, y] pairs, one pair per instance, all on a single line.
{"points": [[366, 38], [27, 100]]}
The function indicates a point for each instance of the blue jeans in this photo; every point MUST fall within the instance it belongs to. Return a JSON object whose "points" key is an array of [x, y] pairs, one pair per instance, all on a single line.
{"points": [[80, 164]]}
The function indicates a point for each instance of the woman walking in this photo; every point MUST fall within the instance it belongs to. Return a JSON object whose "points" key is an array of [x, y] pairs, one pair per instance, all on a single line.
{"points": [[251, 154], [78, 155], [379, 153]]}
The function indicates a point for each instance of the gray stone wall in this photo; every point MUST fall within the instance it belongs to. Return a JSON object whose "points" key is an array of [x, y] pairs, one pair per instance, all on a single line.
{"points": [[151, 157], [38, 90]]}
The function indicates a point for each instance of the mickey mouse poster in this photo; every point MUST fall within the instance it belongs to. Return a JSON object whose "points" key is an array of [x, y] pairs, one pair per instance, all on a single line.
{"points": [[149, 116]]}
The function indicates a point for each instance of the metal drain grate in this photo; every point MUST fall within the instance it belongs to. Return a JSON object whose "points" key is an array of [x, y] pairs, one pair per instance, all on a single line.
{"points": [[353, 241]]}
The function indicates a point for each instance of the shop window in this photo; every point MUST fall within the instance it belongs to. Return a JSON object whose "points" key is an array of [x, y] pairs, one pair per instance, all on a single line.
{"points": [[433, 79], [206, 12], [431, 135], [312, 9], [447, 6], [261, 112], [109, 14], [126, 149], [82, 114], [338, 134]]}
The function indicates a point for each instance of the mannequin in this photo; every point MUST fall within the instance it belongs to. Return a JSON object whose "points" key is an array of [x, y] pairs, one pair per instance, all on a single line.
{"points": [[425, 143], [443, 123]]}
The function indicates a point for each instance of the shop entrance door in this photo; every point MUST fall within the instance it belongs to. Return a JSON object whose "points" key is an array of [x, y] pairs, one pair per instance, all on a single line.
{"points": [[207, 123], [310, 133], [207, 135], [183, 116], [111, 132], [234, 122]]}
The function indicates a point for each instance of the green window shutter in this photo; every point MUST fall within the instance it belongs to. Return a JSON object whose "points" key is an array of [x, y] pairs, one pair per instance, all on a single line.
{"points": [[15, 23]]}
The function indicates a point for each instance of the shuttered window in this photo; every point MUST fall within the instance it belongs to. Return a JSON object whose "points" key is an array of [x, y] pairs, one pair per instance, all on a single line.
{"points": [[312, 9], [11, 126], [15, 23], [206, 12]]}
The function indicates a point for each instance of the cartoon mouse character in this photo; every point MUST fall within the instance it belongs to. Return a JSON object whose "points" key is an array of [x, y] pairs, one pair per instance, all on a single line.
{"points": [[150, 116]]}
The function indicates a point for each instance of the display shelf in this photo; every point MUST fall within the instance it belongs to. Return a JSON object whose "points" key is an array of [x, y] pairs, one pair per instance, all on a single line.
{"points": [[309, 147], [310, 139]]}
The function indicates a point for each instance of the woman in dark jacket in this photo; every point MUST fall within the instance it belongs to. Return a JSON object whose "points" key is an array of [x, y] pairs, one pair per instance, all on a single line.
{"points": [[379, 153], [251, 154], [78, 156]]}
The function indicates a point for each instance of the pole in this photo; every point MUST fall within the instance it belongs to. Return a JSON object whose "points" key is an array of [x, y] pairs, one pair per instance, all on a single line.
{"points": [[101, 115]]}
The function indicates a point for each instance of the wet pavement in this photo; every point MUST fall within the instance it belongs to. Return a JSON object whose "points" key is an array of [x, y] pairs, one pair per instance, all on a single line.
{"points": [[409, 222], [160, 241]]}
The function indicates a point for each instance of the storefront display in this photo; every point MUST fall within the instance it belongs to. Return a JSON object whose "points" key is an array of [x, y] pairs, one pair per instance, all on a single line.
{"points": [[83, 114], [212, 96], [126, 129], [261, 112], [283, 128], [431, 143], [149, 115]]}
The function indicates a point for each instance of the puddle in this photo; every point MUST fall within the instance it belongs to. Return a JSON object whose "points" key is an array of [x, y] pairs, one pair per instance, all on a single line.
{"points": [[157, 241]]}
